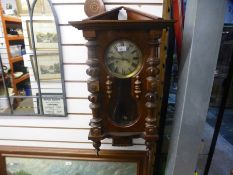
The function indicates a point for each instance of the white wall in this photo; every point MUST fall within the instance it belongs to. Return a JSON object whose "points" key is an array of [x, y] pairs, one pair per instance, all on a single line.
{"points": [[71, 131]]}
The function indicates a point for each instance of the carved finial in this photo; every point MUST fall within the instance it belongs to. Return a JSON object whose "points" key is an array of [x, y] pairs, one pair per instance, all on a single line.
{"points": [[97, 145]]}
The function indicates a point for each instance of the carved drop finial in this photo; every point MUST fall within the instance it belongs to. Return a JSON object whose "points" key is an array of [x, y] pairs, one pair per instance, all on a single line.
{"points": [[109, 86], [97, 145], [137, 87]]}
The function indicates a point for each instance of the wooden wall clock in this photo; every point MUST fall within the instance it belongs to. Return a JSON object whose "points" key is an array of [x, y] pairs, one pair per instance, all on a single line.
{"points": [[123, 59]]}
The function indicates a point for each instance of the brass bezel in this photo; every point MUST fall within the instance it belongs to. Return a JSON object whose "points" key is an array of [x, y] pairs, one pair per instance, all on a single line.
{"points": [[120, 75]]}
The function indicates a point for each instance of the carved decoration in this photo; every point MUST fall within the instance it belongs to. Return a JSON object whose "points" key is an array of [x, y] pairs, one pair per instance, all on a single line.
{"points": [[94, 7], [137, 87], [153, 62], [93, 87], [109, 86]]}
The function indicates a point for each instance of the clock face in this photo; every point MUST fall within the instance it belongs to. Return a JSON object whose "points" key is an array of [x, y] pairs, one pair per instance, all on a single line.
{"points": [[123, 58]]}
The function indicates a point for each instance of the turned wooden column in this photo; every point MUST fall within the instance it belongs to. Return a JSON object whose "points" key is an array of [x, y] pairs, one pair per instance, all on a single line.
{"points": [[152, 83], [93, 86]]}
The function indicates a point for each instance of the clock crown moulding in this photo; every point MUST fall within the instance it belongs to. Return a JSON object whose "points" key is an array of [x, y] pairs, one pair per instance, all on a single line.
{"points": [[124, 69]]}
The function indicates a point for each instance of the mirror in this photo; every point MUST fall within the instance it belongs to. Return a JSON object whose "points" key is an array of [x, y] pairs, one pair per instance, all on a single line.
{"points": [[31, 71]]}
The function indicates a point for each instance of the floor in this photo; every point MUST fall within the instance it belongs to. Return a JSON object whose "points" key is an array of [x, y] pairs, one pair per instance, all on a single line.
{"points": [[227, 123], [25, 107], [222, 163]]}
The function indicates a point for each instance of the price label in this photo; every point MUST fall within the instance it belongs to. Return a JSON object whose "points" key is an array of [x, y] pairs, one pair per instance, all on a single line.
{"points": [[121, 49]]}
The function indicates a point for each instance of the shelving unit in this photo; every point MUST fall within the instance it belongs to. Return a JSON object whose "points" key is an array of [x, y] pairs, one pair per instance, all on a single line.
{"points": [[9, 39], [14, 37]]}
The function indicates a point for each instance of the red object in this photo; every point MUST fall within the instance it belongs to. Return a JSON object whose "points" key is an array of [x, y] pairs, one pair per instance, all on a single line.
{"points": [[179, 17]]}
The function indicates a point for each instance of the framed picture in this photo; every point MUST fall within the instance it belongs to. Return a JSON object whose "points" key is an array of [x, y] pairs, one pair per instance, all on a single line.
{"points": [[48, 66], [45, 34], [48, 161], [23, 7], [53, 103], [31, 166]]}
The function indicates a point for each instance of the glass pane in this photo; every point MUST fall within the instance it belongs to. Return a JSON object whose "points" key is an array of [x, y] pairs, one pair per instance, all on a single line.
{"points": [[4, 105], [26, 105], [4, 80], [5, 84], [30, 166], [32, 70]]}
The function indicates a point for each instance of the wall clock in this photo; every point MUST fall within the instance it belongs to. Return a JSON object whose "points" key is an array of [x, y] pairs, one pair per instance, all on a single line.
{"points": [[123, 59]]}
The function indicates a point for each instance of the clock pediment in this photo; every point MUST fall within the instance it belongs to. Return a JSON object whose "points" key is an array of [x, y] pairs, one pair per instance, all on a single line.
{"points": [[109, 21]]}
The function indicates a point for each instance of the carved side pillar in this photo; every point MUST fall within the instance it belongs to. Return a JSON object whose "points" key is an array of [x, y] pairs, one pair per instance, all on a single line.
{"points": [[96, 133], [152, 83]]}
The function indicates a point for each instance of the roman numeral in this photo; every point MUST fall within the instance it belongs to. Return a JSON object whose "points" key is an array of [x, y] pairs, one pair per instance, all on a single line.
{"points": [[116, 70], [123, 72], [134, 64], [111, 66], [134, 51]]}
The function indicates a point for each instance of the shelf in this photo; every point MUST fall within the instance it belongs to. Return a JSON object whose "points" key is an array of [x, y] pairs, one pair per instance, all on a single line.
{"points": [[14, 37], [16, 59], [22, 78], [12, 19]]}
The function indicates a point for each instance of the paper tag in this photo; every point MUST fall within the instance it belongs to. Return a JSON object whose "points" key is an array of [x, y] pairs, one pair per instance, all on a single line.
{"points": [[68, 163], [121, 48]]}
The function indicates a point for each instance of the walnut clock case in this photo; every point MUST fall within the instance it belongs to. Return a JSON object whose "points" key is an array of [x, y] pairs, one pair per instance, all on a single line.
{"points": [[123, 59]]}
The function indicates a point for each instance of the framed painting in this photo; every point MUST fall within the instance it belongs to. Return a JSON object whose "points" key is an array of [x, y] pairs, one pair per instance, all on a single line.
{"points": [[33, 166], [45, 35], [48, 161]]}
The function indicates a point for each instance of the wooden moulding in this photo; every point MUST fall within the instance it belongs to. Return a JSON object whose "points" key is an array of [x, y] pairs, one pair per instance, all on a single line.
{"points": [[138, 157], [109, 21]]}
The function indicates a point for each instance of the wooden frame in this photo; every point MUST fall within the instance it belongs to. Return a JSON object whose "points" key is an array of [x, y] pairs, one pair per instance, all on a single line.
{"points": [[43, 29], [138, 157]]}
